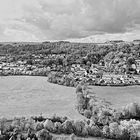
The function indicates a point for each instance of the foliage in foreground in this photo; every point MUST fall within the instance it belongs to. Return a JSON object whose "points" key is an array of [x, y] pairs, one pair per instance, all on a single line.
{"points": [[29, 129], [123, 123]]}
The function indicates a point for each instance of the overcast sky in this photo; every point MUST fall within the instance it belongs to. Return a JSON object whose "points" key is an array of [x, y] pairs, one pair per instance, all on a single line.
{"points": [[77, 20]]}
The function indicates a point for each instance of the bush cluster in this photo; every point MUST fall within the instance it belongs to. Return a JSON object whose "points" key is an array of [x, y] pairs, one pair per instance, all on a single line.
{"points": [[23, 129], [60, 80], [113, 123], [29, 129]]}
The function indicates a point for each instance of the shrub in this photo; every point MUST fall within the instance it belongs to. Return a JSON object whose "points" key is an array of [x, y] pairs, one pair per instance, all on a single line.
{"points": [[58, 127], [105, 131], [130, 110], [131, 128], [39, 126], [3, 126], [72, 83], [115, 131], [48, 124], [85, 131], [18, 123], [81, 103], [67, 127], [56, 118], [117, 115], [30, 124], [87, 114], [44, 135], [78, 127], [95, 131]]}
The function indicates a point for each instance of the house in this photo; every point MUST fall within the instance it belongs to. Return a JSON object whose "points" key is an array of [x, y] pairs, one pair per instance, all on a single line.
{"points": [[1, 70], [115, 41], [134, 66], [93, 70], [138, 64], [136, 41]]}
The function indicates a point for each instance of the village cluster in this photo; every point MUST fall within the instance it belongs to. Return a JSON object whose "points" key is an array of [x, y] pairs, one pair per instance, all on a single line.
{"points": [[21, 68], [94, 75], [112, 63]]}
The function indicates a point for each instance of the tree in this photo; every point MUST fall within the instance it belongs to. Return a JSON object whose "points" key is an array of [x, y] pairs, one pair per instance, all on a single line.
{"points": [[30, 61], [130, 61]]}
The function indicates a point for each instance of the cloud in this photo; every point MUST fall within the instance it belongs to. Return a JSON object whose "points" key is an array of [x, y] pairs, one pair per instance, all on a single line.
{"points": [[71, 19]]}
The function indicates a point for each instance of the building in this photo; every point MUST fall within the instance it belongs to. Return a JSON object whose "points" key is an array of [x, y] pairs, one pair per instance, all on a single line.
{"points": [[138, 64], [136, 41], [115, 41]]}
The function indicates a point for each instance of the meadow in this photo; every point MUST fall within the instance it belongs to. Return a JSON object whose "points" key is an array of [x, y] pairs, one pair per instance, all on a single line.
{"points": [[29, 96]]}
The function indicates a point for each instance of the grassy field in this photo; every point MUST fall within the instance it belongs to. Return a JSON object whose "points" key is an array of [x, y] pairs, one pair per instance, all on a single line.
{"points": [[26, 96], [20, 96], [118, 96]]}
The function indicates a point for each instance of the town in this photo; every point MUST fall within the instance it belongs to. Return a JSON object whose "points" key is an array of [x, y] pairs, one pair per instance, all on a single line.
{"points": [[111, 63]]}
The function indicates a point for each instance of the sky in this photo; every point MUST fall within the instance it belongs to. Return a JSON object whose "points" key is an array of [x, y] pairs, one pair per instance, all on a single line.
{"points": [[74, 20]]}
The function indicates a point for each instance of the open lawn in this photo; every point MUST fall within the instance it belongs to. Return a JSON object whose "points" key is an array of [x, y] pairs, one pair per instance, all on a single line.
{"points": [[118, 96], [26, 96]]}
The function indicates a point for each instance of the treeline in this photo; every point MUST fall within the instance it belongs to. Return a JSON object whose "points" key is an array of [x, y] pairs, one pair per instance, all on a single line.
{"points": [[84, 53]]}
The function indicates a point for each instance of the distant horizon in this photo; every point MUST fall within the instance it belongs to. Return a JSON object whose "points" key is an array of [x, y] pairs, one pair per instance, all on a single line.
{"points": [[66, 41]]}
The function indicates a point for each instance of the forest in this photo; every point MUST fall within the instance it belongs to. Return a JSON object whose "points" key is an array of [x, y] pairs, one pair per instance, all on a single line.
{"points": [[67, 53]]}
